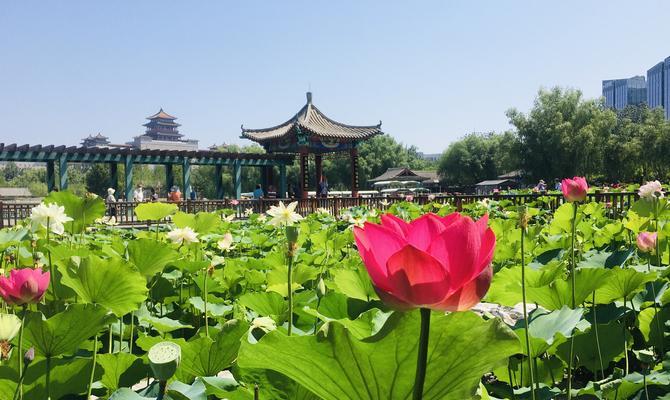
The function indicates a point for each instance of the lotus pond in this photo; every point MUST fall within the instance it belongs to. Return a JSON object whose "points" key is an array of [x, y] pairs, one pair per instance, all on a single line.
{"points": [[282, 307]]}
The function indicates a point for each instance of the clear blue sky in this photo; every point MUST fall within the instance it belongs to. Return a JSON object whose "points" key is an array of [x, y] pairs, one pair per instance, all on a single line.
{"points": [[432, 71]]}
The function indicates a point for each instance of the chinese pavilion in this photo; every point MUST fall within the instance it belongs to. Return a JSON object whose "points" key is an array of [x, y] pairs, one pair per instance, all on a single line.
{"points": [[312, 132], [161, 126]]}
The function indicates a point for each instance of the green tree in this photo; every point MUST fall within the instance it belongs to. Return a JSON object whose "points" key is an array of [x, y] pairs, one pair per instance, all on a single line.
{"points": [[477, 157], [562, 135]]}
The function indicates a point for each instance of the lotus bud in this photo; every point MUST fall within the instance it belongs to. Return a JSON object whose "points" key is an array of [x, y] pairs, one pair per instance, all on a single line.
{"points": [[29, 356], [320, 288], [164, 358]]}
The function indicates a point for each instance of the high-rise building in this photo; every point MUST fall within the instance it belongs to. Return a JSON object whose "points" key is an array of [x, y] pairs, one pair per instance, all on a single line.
{"points": [[658, 87], [620, 93]]}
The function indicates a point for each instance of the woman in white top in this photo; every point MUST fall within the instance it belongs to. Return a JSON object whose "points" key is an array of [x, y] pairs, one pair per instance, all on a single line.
{"points": [[110, 199]]}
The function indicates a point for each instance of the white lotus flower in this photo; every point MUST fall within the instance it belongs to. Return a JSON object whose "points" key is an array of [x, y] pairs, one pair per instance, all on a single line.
{"points": [[226, 243], [266, 324], [323, 211], [384, 202], [229, 218], [284, 215], [183, 235], [51, 216], [262, 218], [431, 197], [107, 220], [372, 213], [248, 212], [357, 221], [650, 190], [9, 327]]}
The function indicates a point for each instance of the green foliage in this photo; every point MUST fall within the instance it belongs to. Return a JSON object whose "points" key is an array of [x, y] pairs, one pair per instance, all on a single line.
{"points": [[64, 332], [353, 369], [110, 283], [154, 211], [83, 210]]}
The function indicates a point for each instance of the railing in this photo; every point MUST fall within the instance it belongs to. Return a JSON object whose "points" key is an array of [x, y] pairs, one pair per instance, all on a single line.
{"points": [[616, 202]]}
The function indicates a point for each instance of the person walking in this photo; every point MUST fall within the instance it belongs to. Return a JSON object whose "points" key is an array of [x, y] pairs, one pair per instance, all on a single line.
{"points": [[111, 202], [138, 194], [258, 192], [323, 188], [154, 195]]}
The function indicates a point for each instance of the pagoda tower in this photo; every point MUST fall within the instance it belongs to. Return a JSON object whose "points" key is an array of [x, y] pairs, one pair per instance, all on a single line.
{"points": [[161, 126]]}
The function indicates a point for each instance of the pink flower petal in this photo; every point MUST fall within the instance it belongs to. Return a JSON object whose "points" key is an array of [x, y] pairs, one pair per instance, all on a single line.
{"points": [[397, 224], [416, 277], [376, 244], [424, 229], [458, 249], [469, 295]]}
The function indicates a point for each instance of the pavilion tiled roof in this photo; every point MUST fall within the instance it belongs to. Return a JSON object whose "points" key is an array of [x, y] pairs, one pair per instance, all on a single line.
{"points": [[162, 114], [312, 121]]}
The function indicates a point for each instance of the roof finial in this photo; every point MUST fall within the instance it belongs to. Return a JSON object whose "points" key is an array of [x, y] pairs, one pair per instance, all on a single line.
{"points": [[309, 97]]}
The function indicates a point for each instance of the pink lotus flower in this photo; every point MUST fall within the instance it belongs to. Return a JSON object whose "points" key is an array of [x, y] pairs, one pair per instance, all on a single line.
{"points": [[441, 263], [234, 202], [24, 286], [646, 241], [574, 189]]}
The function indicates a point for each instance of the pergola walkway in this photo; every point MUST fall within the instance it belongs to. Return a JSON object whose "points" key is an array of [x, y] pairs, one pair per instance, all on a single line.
{"points": [[63, 155]]}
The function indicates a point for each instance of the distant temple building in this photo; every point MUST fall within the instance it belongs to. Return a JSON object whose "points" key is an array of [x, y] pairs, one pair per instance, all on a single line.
{"points": [[98, 140], [163, 134]]}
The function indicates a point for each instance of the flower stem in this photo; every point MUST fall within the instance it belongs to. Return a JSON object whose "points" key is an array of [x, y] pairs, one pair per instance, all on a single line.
{"points": [[658, 259], [204, 299], [95, 354], [132, 328], [595, 329], [19, 388], [525, 312], [290, 291], [575, 206], [20, 349], [162, 388], [48, 378], [422, 357]]}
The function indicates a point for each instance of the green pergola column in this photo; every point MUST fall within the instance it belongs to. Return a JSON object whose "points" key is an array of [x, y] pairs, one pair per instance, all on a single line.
{"points": [[62, 172], [114, 176], [237, 178], [128, 172], [282, 181], [186, 177], [169, 177], [51, 176], [218, 180]]}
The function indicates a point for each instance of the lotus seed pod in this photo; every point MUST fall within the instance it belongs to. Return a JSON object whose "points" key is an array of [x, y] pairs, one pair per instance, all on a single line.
{"points": [[292, 234], [164, 358]]}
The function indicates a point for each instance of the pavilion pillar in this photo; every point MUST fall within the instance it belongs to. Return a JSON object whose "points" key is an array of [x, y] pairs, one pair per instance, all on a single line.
{"points": [[237, 178], [218, 180], [354, 172], [51, 176], [114, 176], [304, 177], [62, 172], [318, 166], [169, 177], [282, 182], [128, 174], [186, 177], [264, 179]]}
